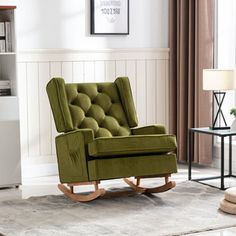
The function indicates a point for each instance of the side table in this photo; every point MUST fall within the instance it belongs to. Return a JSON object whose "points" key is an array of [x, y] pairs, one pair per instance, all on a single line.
{"points": [[222, 134]]}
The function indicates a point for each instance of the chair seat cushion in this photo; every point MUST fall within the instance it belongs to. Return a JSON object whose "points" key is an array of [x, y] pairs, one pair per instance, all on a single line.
{"points": [[133, 144], [144, 165]]}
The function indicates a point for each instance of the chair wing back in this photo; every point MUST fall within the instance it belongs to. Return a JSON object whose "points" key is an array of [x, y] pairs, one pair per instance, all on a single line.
{"points": [[107, 108]]}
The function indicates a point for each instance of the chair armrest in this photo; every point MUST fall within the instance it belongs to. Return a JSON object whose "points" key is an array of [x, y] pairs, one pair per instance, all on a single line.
{"points": [[151, 129], [72, 152], [87, 134]]}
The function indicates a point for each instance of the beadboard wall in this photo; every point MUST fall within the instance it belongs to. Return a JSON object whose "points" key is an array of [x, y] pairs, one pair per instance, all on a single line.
{"points": [[147, 70]]}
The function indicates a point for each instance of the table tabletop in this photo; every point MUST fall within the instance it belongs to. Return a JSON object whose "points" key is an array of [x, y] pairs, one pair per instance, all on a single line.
{"points": [[216, 132]]}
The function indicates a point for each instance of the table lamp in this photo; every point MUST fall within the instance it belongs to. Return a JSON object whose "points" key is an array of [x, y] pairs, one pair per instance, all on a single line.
{"points": [[219, 81]]}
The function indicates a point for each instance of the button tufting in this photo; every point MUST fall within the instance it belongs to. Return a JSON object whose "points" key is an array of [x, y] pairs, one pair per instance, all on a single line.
{"points": [[98, 109]]}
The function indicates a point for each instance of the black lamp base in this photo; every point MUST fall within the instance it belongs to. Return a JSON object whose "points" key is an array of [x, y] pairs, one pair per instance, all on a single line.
{"points": [[219, 111], [219, 128]]}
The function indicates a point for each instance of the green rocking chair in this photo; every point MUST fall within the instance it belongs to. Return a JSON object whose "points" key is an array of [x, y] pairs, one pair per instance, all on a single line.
{"points": [[99, 140]]}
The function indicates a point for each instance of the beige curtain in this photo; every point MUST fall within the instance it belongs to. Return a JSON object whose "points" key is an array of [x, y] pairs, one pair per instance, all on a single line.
{"points": [[191, 24]]}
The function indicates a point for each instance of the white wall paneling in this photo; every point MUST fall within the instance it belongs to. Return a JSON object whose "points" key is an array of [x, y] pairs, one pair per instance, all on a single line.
{"points": [[146, 68], [141, 93]]}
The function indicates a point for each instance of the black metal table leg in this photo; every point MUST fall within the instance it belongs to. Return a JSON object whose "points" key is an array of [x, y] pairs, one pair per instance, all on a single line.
{"points": [[189, 155], [222, 187], [230, 155]]}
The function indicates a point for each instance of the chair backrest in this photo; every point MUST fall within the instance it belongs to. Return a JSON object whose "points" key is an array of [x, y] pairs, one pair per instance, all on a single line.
{"points": [[107, 108]]}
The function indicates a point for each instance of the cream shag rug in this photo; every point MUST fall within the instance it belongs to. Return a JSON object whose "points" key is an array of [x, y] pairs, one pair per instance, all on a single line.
{"points": [[188, 208]]}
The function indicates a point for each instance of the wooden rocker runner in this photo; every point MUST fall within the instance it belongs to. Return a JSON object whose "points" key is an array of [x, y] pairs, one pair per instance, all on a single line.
{"points": [[102, 193], [136, 187]]}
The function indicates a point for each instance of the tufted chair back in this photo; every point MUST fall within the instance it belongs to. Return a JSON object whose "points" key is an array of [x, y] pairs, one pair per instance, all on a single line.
{"points": [[106, 108]]}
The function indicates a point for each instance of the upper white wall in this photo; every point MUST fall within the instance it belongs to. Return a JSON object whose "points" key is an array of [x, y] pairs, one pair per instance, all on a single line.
{"points": [[226, 33], [55, 24], [225, 47]]}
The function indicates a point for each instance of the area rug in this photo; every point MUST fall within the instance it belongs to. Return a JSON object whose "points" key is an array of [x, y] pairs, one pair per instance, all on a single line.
{"points": [[188, 208]]}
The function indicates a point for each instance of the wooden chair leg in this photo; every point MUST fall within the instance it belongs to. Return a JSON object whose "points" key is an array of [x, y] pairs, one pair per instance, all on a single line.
{"points": [[96, 186], [72, 189], [166, 179], [138, 181]]}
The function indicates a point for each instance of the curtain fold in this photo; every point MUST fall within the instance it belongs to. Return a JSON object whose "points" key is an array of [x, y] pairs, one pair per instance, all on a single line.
{"points": [[191, 40]]}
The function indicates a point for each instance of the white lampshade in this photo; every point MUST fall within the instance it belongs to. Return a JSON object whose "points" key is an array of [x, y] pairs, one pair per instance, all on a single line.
{"points": [[217, 79]]}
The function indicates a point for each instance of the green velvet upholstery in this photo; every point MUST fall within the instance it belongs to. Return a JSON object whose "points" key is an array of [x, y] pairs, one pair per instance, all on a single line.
{"points": [[151, 129], [72, 155], [100, 137], [126, 97], [59, 104], [109, 168], [97, 106], [133, 144]]}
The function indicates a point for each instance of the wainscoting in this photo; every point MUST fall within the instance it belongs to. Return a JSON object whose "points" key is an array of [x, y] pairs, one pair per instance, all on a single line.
{"points": [[147, 70]]}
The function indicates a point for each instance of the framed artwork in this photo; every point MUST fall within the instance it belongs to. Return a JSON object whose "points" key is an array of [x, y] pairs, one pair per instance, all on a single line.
{"points": [[110, 17]]}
